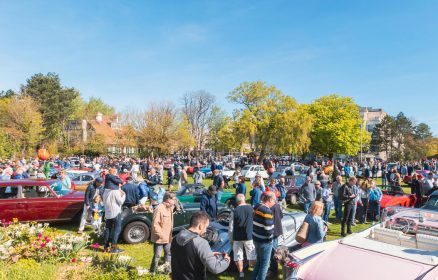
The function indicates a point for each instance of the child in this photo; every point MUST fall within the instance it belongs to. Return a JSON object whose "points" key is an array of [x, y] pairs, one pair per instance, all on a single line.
{"points": [[97, 210]]}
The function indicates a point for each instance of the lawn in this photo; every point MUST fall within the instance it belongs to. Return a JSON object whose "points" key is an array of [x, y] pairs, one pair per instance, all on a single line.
{"points": [[142, 254]]}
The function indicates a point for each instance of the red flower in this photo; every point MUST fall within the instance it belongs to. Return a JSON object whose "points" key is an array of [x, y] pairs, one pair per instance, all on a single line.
{"points": [[73, 260], [43, 245], [39, 235]]}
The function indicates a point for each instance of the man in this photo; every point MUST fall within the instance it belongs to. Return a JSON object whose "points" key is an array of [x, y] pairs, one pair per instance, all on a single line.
{"points": [[348, 199], [263, 233], [209, 202], [192, 255], [256, 194], [153, 178], [219, 182], [428, 183], [112, 181], [318, 191], [336, 198], [132, 194], [162, 226], [240, 234], [240, 186], [282, 190], [113, 199], [277, 214], [198, 176], [93, 189], [356, 190], [307, 194]]}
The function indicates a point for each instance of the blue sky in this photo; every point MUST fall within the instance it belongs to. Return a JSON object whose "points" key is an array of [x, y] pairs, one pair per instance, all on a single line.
{"points": [[130, 53]]}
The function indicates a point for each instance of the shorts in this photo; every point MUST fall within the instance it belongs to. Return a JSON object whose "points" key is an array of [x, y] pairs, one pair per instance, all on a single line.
{"points": [[249, 249]]}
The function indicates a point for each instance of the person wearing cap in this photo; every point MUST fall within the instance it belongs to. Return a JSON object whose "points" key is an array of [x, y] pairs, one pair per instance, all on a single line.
{"points": [[209, 202], [93, 189], [219, 182]]}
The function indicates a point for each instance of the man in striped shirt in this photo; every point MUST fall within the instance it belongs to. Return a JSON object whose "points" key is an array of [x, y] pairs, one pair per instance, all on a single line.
{"points": [[263, 233]]}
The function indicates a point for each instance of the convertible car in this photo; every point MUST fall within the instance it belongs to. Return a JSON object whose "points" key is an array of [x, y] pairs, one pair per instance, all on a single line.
{"points": [[395, 196], [39, 200], [137, 222], [193, 193], [403, 246]]}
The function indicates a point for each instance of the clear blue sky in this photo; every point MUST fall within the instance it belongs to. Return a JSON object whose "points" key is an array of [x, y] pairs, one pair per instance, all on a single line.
{"points": [[381, 53]]}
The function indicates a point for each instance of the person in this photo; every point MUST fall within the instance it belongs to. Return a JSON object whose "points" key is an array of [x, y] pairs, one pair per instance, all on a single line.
{"points": [[318, 191], [427, 183], [363, 204], [282, 190], [131, 191], [198, 176], [277, 215], [209, 202], [156, 195], [348, 199], [219, 182], [416, 189], [153, 178], [255, 193], [317, 228], [162, 227], [327, 199], [374, 197], [112, 181], [336, 197], [263, 233], [113, 200], [170, 176], [307, 194], [142, 190], [192, 255], [356, 191], [240, 186], [259, 181], [97, 210], [65, 179], [240, 234], [93, 188]]}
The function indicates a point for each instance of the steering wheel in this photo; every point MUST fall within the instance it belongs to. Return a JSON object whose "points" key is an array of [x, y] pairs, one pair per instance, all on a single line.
{"points": [[409, 225]]}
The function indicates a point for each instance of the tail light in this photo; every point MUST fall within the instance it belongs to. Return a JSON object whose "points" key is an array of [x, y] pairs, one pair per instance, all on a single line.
{"points": [[293, 264]]}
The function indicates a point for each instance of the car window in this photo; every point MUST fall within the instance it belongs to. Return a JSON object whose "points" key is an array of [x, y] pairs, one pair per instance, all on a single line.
{"points": [[87, 178], [59, 188], [262, 168], [432, 203], [245, 168], [77, 178], [8, 192], [257, 168], [36, 192]]}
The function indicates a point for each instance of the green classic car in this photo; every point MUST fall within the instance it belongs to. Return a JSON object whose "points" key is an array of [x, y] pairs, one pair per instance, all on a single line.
{"points": [[137, 222], [193, 193]]}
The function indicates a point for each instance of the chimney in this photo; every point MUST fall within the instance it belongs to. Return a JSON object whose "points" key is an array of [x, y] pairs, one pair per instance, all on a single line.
{"points": [[99, 117]]}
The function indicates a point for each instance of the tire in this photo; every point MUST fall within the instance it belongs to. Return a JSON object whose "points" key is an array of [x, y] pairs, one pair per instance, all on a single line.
{"points": [[231, 203], [136, 232], [294, 199], [224, 216]]}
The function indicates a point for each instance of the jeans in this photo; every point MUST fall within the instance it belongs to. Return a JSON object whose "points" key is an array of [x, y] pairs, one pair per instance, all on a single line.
{"points": [[273, 267], [112, 230], [374, 210], [383, 179], [353, 212], [338, 207], [158, 248], [348, 217], [263, 251], [363, 210], [307, 206], [327, 208]]}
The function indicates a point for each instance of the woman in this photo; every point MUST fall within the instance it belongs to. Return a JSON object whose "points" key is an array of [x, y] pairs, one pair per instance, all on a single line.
{"points": [[417, 190], [363, 193], [328, 200], [317, 228]]}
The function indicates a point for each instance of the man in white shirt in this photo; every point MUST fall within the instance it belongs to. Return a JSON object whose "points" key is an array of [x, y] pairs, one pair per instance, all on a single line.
{"points": [[113, 200]]}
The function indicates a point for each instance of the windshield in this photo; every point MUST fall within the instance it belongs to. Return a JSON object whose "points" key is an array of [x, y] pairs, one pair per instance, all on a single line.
{"points": [[59, 188], [246, 167], [432, 203]]}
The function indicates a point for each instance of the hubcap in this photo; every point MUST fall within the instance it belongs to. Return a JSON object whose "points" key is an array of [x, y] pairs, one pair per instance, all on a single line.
{"points": [[137, 234]]}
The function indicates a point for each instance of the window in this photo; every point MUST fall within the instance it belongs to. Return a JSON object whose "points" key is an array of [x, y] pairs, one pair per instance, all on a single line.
{"points": [[8, 192], [86, 178]]}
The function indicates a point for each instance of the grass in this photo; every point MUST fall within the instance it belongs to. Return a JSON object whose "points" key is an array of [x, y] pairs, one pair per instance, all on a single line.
{"points": [[142, 253]]}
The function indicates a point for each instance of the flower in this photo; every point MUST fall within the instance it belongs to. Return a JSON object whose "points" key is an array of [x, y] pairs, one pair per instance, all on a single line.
{"points": [[124, 258], [73, 260], [86, 259], [141, 271], [15, 220]]}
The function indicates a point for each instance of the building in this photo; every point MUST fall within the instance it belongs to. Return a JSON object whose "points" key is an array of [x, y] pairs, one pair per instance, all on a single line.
{"points": [[81, 132], [371, 117]]}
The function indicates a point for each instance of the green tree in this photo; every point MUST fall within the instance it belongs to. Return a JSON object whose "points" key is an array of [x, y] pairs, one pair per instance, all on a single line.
{"points": [[57, 104], [337, 126], [88, 110], [384, 135], [269, 120]]}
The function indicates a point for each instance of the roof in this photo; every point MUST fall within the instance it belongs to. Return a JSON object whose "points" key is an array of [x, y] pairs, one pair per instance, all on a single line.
{"points": [[104, 128]]}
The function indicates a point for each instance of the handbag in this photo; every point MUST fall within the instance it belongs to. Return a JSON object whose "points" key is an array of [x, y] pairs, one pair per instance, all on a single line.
{"points": [[302, 233]]}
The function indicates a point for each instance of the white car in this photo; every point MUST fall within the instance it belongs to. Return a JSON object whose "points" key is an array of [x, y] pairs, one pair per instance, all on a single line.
{"points": [[250, 171], [226, 172]]}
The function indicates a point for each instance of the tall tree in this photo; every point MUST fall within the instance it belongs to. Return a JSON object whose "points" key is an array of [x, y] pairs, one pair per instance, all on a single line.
{"points": [[337, 128], [269, 120], [57, 104], [197, 110], [88, 110], [21, 122], [384, 135]]}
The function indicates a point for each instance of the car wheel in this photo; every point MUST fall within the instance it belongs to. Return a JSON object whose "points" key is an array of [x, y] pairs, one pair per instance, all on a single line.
{"points": [[231, 203], [223, 216], [136, 232], [294, 199]]}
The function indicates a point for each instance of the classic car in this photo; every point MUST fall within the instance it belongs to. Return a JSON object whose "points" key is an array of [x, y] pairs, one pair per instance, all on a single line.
{"points": [[282, 170], [193, 193], [421, 174], [395, 196], [293, 188], [81, 180], [250, 171], [39, 200], [136, 222], [403, 246], [432, 202]]}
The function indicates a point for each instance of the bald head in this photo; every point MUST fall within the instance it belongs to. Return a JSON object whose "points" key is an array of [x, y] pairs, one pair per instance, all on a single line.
{"points": [[240, 199]]}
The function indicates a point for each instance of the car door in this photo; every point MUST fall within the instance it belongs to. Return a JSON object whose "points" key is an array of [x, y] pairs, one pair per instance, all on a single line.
{"points": [[42, 204], [12, 204]]}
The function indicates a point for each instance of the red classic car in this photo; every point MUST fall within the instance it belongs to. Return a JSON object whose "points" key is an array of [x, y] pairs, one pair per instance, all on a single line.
{"points": [[39, 200], [421, 174], [395, 196]]}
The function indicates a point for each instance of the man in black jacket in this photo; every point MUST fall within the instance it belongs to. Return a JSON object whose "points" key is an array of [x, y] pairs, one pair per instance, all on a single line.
{"points": [[94, 188], [131, 191], [347, 196], [278, 231], [209, 202]]}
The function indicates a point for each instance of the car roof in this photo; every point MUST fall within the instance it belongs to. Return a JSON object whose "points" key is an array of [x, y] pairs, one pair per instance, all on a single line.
{"points": [[32, 182]]}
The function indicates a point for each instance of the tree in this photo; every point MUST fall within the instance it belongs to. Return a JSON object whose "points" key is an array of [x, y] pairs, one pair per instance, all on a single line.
{"points": [[422, 131], [337, 126], [270, 120], [221, 132], [197, 110], [88, 110], [21, 123], [7, 94], [57, 104], [384, 135]]}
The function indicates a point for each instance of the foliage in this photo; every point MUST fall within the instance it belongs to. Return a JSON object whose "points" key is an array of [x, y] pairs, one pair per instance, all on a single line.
{"points": [[21, 123], [88, 110], [337, 126], [270, 120], [110, 262], [57, 103], [95, 146]]}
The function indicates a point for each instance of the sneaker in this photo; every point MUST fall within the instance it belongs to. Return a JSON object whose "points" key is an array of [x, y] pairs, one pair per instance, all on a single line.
{"points": [[116, 251], [80, 231]]}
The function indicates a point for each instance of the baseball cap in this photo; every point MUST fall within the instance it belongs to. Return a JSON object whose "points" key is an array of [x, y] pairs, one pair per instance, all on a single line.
{"points": [[99, 180]]}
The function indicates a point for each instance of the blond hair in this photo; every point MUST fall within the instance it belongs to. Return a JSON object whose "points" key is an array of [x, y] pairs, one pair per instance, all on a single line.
{"points": [[317, 208]]}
